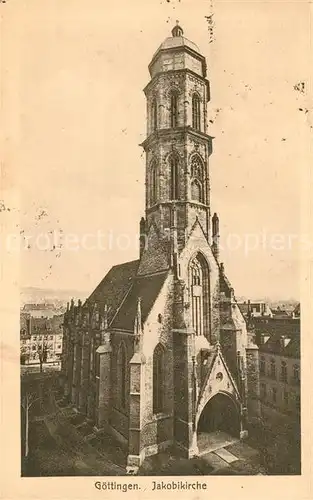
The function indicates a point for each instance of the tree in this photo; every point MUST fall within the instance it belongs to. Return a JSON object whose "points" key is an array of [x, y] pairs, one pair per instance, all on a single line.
{"points": [[42, 350], [27, 401], [24, 354]]}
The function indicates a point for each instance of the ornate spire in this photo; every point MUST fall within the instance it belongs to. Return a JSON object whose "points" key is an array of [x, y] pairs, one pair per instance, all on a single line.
{"points": [[138, 326], [177, 30]]}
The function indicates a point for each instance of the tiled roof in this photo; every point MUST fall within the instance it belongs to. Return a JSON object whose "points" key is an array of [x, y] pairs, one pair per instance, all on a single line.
{"points": [[146, 287], [275, 345], [177, 41], [113, 288], [280, 313], [276, 330], [120, 289], [296, 310]]}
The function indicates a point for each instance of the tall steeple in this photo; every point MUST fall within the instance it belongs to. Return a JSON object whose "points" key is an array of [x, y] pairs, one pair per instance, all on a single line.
{"points": [[177, 145]]}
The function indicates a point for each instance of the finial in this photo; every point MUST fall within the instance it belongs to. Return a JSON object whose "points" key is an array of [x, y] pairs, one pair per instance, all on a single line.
{"points": [[105, 323], [138, 321], [177, 30]]}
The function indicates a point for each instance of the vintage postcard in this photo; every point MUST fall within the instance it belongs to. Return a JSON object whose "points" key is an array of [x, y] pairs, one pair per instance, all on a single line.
{"points": [[155, 212]]}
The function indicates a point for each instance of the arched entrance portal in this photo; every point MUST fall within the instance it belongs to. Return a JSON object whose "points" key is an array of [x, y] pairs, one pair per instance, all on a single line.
{"points": [[219, 423]]}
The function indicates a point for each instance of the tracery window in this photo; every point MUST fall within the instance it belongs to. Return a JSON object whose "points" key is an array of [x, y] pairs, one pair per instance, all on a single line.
{"points": [[153, 183], [196, 112], [174, 108], [174, 186], [200, 291], [154, 115], [197, 179]]}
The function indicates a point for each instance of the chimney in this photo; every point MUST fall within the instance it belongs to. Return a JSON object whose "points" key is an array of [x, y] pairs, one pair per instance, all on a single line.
{"points": [[142, 236], [216, 236]]}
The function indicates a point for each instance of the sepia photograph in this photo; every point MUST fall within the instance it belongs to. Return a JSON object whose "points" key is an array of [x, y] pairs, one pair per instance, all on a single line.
{"points": [[160, 150]]}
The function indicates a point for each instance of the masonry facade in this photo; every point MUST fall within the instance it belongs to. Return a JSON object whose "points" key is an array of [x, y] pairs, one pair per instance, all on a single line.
{"points": [[160, 350]]}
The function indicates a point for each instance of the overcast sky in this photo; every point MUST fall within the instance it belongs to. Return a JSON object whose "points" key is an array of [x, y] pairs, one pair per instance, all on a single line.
{"points": [[82, 68]]}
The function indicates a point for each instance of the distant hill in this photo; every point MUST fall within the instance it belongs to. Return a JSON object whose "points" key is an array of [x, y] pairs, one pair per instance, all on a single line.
{"points": [[59, 298]]}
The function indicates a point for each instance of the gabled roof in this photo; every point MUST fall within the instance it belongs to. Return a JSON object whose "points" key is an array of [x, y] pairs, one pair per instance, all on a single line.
{"points": [[146, 287], [276, 330], [119, 291], [275, 345], [114, 287], [296, 310]]}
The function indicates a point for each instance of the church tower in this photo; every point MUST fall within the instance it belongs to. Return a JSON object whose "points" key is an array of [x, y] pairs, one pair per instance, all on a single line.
{"points": [[177, 146], [159, 354]]}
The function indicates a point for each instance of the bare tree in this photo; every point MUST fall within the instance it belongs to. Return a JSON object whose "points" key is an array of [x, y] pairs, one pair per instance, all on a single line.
{"points": [[27, 401]]}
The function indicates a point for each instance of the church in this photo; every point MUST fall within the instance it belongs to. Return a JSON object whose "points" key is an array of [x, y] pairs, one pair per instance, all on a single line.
{"points": [[160, 353]]}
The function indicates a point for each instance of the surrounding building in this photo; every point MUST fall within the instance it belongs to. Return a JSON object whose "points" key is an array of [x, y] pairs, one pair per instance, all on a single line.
{"points": [[37, 334], [255, 309], [279, 353], [41, 310], [159, 353]]}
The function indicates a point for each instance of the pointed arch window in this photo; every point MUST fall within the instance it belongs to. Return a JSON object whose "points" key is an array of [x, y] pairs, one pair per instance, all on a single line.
{"points": [[174, 109], [174, 185], [154, 115], [196, 112], [122, 375], [197, 179], [200, 294], [196, 191], [153, 183], [158, 378]]}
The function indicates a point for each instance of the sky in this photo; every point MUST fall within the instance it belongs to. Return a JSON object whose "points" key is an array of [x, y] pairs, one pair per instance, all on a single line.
{"points": [[81, 67]]}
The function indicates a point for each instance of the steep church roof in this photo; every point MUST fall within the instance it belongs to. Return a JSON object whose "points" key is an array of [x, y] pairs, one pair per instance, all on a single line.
{"points": [[119, 291], [146, 287], [114, 286]]}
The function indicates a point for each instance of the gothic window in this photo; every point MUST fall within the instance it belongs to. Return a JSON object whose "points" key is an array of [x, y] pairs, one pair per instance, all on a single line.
{"points": [[196, 191], [174, 191], [121, 375], [153, 183], [199, 283], [158, 379], [197, 179], [174, 109], [154, 115], [196, 112]]}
